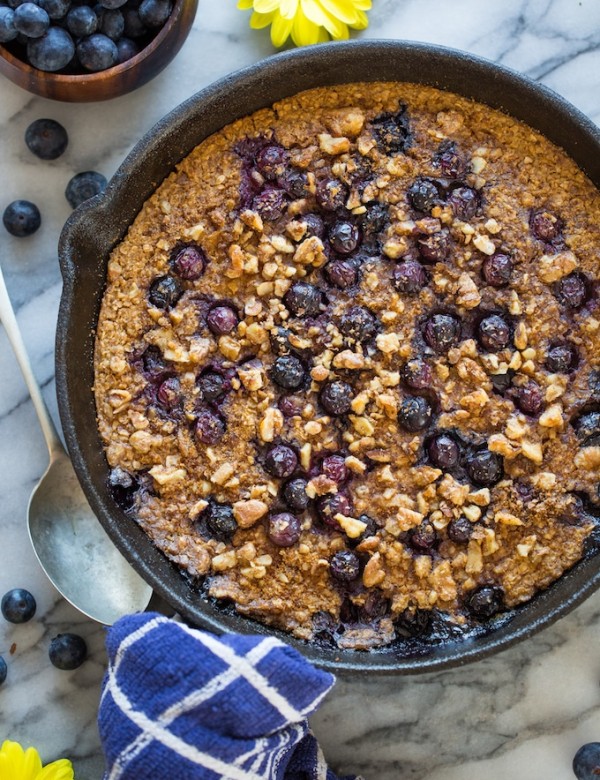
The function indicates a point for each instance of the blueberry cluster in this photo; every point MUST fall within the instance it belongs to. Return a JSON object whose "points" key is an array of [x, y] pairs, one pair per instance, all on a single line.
{"points": [[70, 36], [66, 651]]}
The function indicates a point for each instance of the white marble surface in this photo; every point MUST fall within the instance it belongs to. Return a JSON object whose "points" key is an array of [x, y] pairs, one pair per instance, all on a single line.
{"points": [[520, 715]]}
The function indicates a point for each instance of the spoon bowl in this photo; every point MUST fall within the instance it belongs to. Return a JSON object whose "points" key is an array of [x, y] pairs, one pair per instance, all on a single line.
{"points": [[69, 542]]}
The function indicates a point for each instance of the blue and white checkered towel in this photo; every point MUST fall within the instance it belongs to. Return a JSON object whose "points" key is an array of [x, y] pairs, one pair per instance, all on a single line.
{"points": [[182, 704]]}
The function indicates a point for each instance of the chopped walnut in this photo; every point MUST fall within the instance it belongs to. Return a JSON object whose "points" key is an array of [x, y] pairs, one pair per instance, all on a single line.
{"points": [[551, 268], [352, 527], [507, 518], [453, 491], [248, 512], [348, 359], [588, 458], [224, 561], [468, 294], [552, 417], [388, 342], [167, 475], [533, 451], [373, 573], [333, 146], [310, 252], [271, 424]]}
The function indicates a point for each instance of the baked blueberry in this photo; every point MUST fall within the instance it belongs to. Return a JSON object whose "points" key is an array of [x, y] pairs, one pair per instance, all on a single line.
{"points": [[497, 269], [409, 277], [31, 20], [284, 529], [334, 467], [303, 300], [450, 160], [21, 218], [331, 505], [375, 219], [587, 428], [341, 273], [460, 530], [83, 186], [434, 248], [392, 131], [294, 494], [494, 333], [485, 468], [502, 382], [154, 13], [154, 365], [336, 398], [8, 31], [189, 262], [443, 451], [529, 398], [164, 292], [545, 225], [47, 138], [424, 194], [270, 203], [67, 651], [423, 538], [331, 194], [18, 605], [586, 764], [209, 427], [271, 161], [417, 374], [123, 487], [485, 602], [561, 358], [288, 372], [414, 622], [344, 566], [169, 393], [415, 414], [222, 319], [97, 52], [572, 291], [359, 324], [212, 386], [314, 225], [344, 237], [220, 522], [441, 332], [53, 51], [281, 461], [465, 202], [295, 183]]}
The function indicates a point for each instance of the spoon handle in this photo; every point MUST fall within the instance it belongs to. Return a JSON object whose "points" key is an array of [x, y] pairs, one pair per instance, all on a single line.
{"points": [[8, 319]]}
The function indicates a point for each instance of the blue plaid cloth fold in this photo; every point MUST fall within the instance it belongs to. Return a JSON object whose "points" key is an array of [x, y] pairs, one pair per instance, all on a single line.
{"points": [[182, 704]]}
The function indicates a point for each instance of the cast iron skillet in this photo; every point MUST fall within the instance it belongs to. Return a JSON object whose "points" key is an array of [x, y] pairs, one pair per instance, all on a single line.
{"points": [[95, 228]]}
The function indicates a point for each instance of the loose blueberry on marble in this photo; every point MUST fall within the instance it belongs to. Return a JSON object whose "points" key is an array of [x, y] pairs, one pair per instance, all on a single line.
{"points": [[434, 248], [3, 670], [83, 186], [284, 529], [336, 398], [586, 764], [21, 218], [572, 290], [441, 332], [189, 262], [154, 13], [545, 225], [47, 138], [67, 651], [18, 605], [288, 372], [220, 522], [209, 427], [561, 358], [344, 237], [344, 566], [493, 333], [417, 374], [443, 451], [529, 398], [222, 319], [465, 202], [497, 269], [334, 467], [303, 300], [294, 494], [281, 461], [392, 132], [97, 52], [331, 194], [409, 277], [31, 20], [331, 505], [56, 9], [341, 273], [52, 52], [415, 414], [460, 530], [164, 292], [270, 203], [485, 602], [485, 468], [8, 31], [359, 324]]}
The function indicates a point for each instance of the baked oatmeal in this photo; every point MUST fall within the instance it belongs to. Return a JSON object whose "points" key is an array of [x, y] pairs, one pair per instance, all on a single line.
{"points": [[348, 364]]}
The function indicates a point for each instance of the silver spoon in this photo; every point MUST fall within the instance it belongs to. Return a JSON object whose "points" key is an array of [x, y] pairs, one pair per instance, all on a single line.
{"points": [[72, 547]]}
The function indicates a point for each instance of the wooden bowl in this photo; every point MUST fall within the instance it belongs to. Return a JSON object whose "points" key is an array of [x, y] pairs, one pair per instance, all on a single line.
{"points": [[112, 82]]}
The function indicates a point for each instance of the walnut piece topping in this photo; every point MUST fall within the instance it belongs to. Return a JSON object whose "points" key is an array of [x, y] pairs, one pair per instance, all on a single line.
{"points": [[388, 342], [310, 252], [271, 424], [468, 294], [248, 512], [484, 244], [352, 527], [588, 458], [551, 268], [333, 146], [373, 573], [552, 417], [222, 474], [224, 561], [349, 359], [167, 475]]}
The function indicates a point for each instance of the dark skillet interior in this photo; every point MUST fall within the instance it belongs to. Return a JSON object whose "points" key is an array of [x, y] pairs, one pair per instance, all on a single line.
{"points": [[96, 227]]}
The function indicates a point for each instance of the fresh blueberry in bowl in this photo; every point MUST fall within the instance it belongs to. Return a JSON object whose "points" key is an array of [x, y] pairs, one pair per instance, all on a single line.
{"points": [[97, 52], [83, 186], [8, 31], [31, 20], [52, 51], [47, 138], [154, 13], [56, 9], [21, 218], [112, 24], [18, 605], [67, 651], [3, 670]]}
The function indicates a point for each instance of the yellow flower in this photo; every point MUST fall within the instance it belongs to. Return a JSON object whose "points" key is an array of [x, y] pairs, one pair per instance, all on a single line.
{"points": [[19, 764], [307, 21]]}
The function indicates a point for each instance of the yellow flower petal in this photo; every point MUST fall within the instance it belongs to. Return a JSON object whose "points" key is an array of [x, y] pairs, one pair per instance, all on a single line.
{"points": [[363, 5], [305, 32], [260, 21], [362, 22], [57, 770], [344, 10], [19, 764], [314, 12], [288, 8], [280, 30], [266, 6], [245, 5]]}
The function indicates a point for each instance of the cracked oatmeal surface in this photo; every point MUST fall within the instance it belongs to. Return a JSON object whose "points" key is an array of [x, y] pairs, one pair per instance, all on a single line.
{"points": [[347, 363]]}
